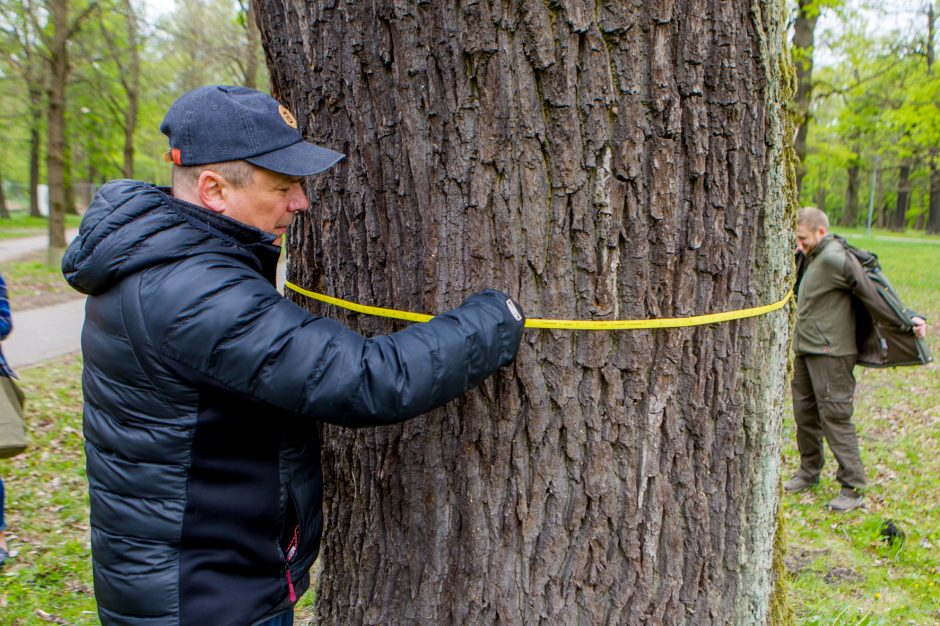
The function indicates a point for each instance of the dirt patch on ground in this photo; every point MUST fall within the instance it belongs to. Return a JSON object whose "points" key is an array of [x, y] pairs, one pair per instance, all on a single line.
{"points": [[797, 560], [842, 574]]}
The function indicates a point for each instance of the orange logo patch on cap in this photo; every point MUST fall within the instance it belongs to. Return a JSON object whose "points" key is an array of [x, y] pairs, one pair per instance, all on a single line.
{"points": [[173, 156], [288, 118]]}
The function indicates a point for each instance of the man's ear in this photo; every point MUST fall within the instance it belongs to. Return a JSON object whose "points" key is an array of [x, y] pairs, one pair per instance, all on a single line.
{"points": [[211, 188]]}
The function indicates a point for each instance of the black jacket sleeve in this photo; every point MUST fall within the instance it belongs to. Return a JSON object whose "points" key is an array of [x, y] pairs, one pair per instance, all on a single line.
{"points": [[229, 325]]}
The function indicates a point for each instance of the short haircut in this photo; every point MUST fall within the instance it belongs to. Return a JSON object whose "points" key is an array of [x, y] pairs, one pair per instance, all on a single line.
{"points": [[238, 173], [812, 218]]}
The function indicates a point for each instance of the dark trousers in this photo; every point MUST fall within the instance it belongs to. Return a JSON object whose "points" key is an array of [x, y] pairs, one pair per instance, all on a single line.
{"points": [[823, 391]]}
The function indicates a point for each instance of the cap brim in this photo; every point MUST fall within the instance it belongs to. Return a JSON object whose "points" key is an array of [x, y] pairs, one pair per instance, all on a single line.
{"points": [[299, 159]]}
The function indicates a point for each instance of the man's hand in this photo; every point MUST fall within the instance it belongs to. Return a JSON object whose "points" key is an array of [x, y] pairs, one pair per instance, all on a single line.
{"points": [[920, 327]]}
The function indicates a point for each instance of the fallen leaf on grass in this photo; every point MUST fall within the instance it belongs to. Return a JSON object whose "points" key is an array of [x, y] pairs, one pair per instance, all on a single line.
{"points": [[48, 617]]}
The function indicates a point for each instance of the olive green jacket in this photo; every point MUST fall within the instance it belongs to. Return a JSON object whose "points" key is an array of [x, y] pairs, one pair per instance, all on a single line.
{"points": [[826, 319]]}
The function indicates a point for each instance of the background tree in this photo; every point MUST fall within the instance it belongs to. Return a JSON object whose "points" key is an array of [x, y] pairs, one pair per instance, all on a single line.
{"points": [[877, 99], [119, 30], [803, 48], [4, 210], [246, 18], [212, 39], [124, 71], [620, 160], [23, 53], [63, 29]]}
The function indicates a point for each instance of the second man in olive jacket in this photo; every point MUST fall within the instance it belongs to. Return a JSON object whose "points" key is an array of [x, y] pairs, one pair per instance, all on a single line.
{"points": [[826, 351]]}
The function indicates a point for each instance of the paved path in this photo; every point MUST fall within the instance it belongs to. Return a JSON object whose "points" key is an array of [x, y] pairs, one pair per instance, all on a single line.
{"points": [[20, 246], [40, 334]]}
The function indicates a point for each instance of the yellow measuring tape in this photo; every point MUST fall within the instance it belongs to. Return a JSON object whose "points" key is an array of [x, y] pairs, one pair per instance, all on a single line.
{"points": [[675, 322]]}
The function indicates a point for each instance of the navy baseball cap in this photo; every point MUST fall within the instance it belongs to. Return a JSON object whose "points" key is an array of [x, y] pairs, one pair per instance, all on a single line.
{"points": [[222, 123]]}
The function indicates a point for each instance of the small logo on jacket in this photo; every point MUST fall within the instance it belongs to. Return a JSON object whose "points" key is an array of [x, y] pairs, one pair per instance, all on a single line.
{"points": [[512, 309]]}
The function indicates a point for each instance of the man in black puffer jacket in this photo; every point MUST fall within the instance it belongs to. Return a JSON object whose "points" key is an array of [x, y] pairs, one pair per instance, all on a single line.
{"points": [[203, 385]]}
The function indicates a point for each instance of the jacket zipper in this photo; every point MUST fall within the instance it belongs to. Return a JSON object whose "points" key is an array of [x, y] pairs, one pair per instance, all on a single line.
{"points": [[291, 553]]}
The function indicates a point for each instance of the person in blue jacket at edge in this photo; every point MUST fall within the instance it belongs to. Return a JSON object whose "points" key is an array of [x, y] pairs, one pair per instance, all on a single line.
{"points": [[6, 374], [203, 385]]}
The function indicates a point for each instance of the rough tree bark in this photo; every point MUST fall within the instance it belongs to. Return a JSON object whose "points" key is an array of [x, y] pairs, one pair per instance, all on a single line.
{"points": [[599, 161]]}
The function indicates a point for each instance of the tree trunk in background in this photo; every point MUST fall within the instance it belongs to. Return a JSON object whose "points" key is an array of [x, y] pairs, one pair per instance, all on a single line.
{"points": [[850, 217], [55, 151], [821, 199], [881, 209], [35, 147], [68, 178], [131, 83], [4, 210], [804, 42], [621, 160], [933, 211], [904, 197], [251, 45]]}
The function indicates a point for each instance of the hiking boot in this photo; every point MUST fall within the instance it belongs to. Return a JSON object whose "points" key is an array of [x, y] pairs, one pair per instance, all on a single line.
{"points": [[799, 483], [847, 500]]}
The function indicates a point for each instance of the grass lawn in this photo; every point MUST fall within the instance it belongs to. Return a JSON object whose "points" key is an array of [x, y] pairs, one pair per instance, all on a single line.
{"points": [[21, 224], [47, 506], [839, 569]]}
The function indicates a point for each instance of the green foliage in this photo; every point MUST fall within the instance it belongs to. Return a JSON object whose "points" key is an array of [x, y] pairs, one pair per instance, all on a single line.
{"points": [[841, 571], [878, 103], [199, 42], [47, 509]]}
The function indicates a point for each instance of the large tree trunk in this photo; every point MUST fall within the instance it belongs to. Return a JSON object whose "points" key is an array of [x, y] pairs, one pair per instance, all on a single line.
{"points": [[804, 43], [621, 160]]}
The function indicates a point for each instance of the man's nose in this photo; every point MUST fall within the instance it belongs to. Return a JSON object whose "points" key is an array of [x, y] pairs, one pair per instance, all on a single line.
{"points": [[298, 201]]}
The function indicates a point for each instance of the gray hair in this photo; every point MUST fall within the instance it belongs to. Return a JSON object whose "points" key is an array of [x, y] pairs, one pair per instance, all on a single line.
{"points": [[238, 173]]}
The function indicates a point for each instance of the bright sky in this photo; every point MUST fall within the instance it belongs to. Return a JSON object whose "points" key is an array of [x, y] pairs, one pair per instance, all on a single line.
{"points": [[906, 16], [156, 8]]}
